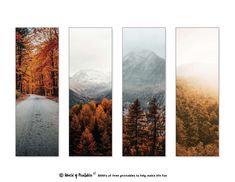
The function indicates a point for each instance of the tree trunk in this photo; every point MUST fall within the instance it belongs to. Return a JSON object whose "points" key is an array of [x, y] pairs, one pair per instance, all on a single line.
{"points": [[154, 136], [19, 76]]}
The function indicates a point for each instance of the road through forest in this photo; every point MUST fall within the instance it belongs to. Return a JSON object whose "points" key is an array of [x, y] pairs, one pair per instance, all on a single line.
{"points": [[37, 127]]}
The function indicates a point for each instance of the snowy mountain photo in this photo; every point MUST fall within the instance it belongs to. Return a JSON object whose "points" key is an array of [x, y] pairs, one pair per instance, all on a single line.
{"points": [[90, 84], [143, 76], [90, 92], [143, 84]]}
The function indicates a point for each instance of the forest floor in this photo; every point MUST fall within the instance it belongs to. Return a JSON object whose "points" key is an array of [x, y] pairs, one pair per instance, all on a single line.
{"points": [[37, 127]]}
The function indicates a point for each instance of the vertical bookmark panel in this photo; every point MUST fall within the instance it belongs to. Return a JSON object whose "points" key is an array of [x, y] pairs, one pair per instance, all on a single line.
{"points": [[143, 77], [197, 91], [90, 92], [37, 54]]}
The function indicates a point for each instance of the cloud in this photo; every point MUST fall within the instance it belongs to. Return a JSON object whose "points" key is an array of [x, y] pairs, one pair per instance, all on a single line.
{"points": [[144, 38], [91, 49]]}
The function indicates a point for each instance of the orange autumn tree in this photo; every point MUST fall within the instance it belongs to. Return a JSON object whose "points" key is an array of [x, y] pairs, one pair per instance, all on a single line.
{"points": [[22, 57], [197, 121], [87, 145], [37, 61], [91, 128]]}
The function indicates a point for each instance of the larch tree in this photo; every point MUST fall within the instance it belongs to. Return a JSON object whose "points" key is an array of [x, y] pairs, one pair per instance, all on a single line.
{"points": [[87, 145]]}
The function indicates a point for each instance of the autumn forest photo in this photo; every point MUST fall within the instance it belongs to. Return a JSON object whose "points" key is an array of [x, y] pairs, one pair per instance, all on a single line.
{"points": [[37, 91], [197, 102]]}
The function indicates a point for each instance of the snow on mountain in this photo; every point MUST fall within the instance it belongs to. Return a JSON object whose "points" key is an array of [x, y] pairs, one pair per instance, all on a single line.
{"points": [[91, 76], [143, 76], [143, 68], [90, 84]]}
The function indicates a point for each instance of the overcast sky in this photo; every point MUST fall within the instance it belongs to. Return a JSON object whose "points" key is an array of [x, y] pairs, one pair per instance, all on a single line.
{"points": [[90, 48], [197, 45], [144, 38]]}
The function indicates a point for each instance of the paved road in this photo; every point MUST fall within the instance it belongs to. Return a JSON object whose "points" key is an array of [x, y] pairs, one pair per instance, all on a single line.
{"points": [[37, 127]]}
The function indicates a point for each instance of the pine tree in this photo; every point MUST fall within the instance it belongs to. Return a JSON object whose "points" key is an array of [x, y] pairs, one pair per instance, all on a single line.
{"points": [[180, 132], [106, 144], [87, 145], [132, 125], [153, 118], [191, 128]]}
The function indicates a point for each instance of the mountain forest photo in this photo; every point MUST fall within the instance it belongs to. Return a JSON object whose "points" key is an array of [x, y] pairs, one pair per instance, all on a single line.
{"points": [[37, 91], [143, 76], [90, 92], [197, 102]]}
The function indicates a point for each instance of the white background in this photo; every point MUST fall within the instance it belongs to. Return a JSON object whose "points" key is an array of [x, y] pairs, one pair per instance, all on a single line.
{"points": [[110, 13]]}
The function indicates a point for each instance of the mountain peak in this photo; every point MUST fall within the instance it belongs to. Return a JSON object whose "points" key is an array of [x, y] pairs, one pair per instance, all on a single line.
{"points": [[139, 54], [90, 83], [143, 75], [89, 75]]}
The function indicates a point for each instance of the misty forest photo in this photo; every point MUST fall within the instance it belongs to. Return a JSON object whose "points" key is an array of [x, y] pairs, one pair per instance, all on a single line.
{"points": [[143, 72], [90, 92], [37, 91], [197, 107]]}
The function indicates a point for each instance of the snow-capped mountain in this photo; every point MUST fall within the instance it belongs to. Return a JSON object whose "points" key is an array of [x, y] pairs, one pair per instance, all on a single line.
{"points": [[87, 84], [143, 76]]}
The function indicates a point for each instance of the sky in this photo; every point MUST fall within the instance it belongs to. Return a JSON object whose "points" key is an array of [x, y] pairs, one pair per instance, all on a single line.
{"points": [[197, 45], [90, 49], [144, 38], [197, 56]]}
